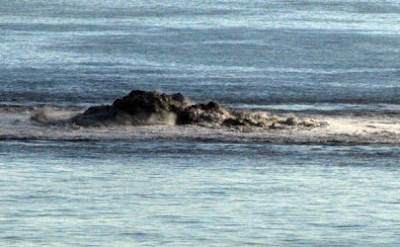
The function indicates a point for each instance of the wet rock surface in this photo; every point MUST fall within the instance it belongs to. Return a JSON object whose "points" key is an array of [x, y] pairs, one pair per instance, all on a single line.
{"points": [[151, 107]]}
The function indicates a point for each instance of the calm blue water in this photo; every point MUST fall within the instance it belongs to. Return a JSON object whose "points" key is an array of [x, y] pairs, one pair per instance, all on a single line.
{"points": [[303, 56], [190, 194]]}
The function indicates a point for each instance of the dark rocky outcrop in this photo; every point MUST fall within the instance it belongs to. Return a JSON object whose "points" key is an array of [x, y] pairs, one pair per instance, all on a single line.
{"points": [[145, 108], [138, 102], [137, 108]]}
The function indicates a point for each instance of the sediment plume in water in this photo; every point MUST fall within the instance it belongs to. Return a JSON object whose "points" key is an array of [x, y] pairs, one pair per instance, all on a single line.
{"points": [[150, 108]]}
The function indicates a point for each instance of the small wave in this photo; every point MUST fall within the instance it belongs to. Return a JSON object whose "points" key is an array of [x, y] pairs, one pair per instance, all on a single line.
{"points": [[9, 108], [207, 123], [326, 108], [346, 129], [52, 115], [200, 134]]}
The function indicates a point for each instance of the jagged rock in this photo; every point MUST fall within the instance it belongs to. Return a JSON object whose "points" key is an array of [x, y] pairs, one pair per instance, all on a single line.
{"points": [[141, 108], [150, 102], [203, 114], [137, 108]]}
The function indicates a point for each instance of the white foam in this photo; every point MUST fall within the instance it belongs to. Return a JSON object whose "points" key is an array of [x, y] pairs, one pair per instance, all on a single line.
{"points": [[338, 129], [51, 115]]}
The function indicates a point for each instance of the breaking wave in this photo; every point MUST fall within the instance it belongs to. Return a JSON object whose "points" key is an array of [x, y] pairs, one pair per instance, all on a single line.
{"points": [[48, 123]]}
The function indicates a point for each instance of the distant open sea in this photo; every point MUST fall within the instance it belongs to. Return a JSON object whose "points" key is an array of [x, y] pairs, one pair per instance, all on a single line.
{"points": [[155, 186]]}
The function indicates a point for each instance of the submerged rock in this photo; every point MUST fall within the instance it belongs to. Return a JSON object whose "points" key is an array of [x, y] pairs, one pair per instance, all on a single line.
{"points": [[146, 108]]}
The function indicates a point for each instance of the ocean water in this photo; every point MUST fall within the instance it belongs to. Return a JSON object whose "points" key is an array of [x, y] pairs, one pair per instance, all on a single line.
{"points": [[335, 61], [190, 194], [259, 52]]}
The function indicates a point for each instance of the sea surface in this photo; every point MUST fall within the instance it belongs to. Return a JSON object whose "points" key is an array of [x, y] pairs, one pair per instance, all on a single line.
{"points": [[192, 186]]}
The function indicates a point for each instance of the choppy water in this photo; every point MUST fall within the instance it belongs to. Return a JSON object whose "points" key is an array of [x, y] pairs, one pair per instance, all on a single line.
{"points": [[164, 185]]}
